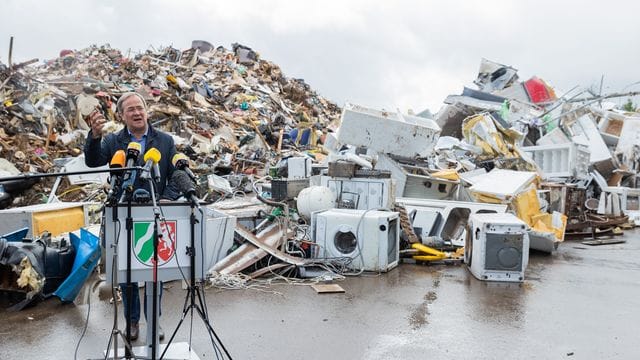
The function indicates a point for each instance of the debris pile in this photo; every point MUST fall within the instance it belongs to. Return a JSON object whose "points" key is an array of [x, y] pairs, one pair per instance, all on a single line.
{"points": [[414, 187], [230, 110], [578, 144], [316, 192]]}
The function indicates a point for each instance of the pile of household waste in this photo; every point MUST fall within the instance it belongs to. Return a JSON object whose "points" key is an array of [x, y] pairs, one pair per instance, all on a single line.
{"points": [[230, 111], [315, 192], [499, 170]]}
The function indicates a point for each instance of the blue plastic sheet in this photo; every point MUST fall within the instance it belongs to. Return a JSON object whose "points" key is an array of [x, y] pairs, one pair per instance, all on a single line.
{"points": [[17, 235], [87, 255]]}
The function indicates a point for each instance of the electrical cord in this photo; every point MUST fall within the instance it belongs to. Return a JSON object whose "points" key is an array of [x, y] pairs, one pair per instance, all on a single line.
{"points": [[202, 272], [360, 255], [114, 266], [84, 330], [271, 202]]}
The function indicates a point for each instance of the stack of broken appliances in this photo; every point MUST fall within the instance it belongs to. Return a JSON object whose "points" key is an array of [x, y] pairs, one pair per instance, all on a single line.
{"points": [[301, 190], [500, 170]]}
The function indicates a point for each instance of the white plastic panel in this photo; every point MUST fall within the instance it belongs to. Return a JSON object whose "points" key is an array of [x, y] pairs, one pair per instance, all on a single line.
{"points": [[560, 160], [387, 132]]}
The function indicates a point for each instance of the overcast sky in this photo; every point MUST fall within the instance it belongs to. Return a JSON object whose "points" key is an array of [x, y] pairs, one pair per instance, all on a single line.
{"points": [[381, 54]]}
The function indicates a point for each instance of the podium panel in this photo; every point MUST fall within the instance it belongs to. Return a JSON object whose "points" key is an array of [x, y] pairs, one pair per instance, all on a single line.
{"points": [[175, 230]]}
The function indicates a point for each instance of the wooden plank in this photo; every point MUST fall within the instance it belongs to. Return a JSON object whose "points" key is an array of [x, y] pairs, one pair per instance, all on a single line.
{"points": [[280, 135], [327, 288], [49, 132], [268, 269]]}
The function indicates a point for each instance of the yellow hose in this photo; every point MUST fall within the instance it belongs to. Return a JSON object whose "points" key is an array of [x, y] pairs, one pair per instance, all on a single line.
{"points": [[427, 257], [433, 254]]}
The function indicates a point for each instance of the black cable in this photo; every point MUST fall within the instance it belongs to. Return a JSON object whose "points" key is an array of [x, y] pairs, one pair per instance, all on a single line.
{"points": [[204, 300], [205, 310], [113, 294], [84, 330]]}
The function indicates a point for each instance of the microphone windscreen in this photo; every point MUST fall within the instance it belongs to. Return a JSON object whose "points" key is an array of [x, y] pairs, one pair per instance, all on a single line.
{"points": [[141, 196], [118, 159], [134, 148], [182, 181], [177, 157], [152, 154]]}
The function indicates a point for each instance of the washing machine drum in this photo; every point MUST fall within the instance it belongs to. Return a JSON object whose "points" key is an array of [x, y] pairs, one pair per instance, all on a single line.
{"points": [[504, 252], [509, 258], [345, 241]]}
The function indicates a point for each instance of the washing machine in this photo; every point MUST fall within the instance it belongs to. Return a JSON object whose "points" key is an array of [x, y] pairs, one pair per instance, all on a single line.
{"points": [[497, 247], [370, 238]]}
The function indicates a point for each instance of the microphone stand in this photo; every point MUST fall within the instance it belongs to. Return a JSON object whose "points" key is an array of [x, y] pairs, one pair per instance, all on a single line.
{"points": [[112, 200], [193, 289], [129, 286], [153, 342]]}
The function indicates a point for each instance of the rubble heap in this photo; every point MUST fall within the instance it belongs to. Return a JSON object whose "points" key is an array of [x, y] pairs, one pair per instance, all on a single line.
{"points": [[230, 110], [578, 144], [316, 197]]}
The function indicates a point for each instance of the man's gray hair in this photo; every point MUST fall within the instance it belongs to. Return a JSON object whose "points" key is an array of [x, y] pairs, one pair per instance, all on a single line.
{"points": [[127, 95]]}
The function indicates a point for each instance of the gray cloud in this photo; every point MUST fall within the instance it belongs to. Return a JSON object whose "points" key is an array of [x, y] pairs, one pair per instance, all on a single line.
{"points": [[406, 54]]}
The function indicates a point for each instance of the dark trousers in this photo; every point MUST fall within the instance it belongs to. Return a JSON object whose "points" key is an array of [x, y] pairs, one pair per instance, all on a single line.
{"points": [[135, 298]]}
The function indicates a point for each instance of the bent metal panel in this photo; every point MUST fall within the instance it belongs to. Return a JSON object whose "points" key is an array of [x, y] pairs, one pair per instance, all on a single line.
{"points": [[175, 237]]}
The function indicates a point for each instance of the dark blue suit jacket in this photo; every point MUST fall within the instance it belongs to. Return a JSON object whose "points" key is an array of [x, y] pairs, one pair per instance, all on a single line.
{"points": [[98, 152]]}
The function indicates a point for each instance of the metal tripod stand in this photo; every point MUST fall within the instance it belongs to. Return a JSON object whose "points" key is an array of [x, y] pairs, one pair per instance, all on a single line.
{"points": [[193, 291], [116, 332]]}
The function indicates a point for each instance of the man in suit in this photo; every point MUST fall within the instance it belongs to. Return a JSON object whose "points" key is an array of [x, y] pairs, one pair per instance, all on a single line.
{"points": [[98, 151]]}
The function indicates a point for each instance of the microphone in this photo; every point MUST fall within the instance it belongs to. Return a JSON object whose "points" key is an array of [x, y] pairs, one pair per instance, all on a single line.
{"points": [[156, 172], [181, 162], [141, 196], [184, 184], [117, 162], [151, 158], [133, 151]]}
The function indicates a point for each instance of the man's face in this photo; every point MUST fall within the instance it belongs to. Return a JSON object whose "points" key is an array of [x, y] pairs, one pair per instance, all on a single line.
{"points": [[134, 115]]}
